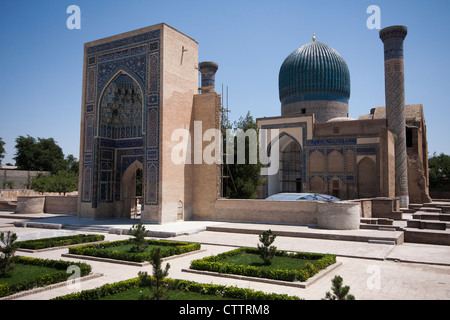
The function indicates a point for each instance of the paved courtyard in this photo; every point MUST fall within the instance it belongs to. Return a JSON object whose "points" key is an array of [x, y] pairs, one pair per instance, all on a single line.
{"points": [[374, 271]]}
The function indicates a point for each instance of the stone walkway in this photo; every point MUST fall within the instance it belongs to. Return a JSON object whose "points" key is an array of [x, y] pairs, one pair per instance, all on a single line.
{"points": [[372, 270]]}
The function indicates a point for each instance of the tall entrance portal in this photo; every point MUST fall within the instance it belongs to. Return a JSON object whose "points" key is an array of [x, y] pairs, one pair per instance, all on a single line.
{"points": [[140, 89]]}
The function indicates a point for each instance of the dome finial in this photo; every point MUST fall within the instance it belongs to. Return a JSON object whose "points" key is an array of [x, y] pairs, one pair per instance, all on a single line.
{"points": [[314, 37]]}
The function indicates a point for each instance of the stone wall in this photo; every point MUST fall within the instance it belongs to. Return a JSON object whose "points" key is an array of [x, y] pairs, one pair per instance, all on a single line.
{"points": [[340, 215], [61, 204], [12, 194], [19, 178], [46, 204]]}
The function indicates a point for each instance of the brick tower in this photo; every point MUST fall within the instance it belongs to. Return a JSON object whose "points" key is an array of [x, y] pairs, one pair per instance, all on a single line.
{"points": [[392, 38]]}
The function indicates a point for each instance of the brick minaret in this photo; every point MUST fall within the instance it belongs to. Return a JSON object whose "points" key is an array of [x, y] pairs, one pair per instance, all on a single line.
{"points": [[392, 38]]}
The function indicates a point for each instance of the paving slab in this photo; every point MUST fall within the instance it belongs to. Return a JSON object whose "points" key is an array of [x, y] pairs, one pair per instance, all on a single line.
{"points": [[362, 235], [380, 272]]}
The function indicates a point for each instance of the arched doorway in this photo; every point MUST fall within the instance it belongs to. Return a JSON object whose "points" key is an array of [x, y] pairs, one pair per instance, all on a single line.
{"points": [[291, 168], [289, 175], [131, 192], [120, 154]]}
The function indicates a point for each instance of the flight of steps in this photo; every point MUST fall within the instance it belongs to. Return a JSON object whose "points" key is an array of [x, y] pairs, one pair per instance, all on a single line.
{"points": [[429, 223], [421, 223]]}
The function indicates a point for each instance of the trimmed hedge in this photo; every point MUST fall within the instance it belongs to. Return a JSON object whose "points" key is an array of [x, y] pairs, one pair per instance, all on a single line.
{"points": [[168, 248], [176, 284], [7, 289], [59, 241], [212, 263]]}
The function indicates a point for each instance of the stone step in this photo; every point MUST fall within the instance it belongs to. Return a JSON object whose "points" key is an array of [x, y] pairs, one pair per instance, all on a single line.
{"points": [[427, 224], [377, 221], [312, 232], [380, 227], [445, 209], [420, 215], [425, 215], [429, 209], [441, 237], [430, 205], [92, 228]]}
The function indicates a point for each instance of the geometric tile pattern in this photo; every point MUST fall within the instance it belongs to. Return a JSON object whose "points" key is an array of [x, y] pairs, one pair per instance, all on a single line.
{"points": [[122, 91], [393, 38]]}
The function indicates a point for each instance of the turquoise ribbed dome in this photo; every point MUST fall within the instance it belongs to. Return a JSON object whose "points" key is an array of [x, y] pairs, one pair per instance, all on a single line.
{"points": [[314, 71]]}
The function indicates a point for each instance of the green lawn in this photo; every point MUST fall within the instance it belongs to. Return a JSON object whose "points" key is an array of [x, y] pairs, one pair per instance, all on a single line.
{"points": [[284, 266], [30, 273], [27, 272], [136, 293], [123, 249], [250, 259], [129, 248]]}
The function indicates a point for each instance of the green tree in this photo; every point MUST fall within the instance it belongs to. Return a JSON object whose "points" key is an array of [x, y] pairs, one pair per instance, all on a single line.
{"points": [[439, 171], [339, 292], [61, 182], [243, 179], [7, 251], [155, 283], [139, 233], [71, 164], [2, 150], [266, 250], [39, 155], [40, 183]]}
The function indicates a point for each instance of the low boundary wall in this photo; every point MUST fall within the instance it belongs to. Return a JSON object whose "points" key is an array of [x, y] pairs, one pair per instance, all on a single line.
{"points": [[46, 204], [339, 215]]}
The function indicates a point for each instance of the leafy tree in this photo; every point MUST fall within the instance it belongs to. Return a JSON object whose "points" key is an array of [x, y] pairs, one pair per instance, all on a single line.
{"points": [[2, 150], [40, 183], [266, 250], [62, 182], [155, 283], [244, 179], [439, 170], [71, 164], [339, 292], [39, 155], [139, 233], [8, 183], [8, 249]]}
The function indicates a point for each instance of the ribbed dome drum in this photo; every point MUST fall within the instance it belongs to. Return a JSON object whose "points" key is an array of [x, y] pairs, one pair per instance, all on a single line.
{"points": [[315, 79]]}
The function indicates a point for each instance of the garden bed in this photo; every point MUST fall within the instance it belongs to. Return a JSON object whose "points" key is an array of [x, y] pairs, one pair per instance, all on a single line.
{"points": [[30, 273], [245, 262], [57, 242], [122, 251], [179, 290]]}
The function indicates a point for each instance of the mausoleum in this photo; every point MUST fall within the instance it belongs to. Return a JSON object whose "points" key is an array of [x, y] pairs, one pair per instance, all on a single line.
{"points": [[141, 86]]}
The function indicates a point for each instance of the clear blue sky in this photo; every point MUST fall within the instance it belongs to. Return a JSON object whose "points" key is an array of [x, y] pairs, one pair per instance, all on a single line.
{"points": [[42, 60]]}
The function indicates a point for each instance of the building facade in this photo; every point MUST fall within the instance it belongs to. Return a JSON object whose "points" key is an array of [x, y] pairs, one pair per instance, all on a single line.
{"points": [[138, 88], [322, 150]]}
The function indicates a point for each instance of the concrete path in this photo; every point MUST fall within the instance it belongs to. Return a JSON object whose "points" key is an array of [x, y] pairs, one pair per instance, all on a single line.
{"points": [[372, 270]]}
